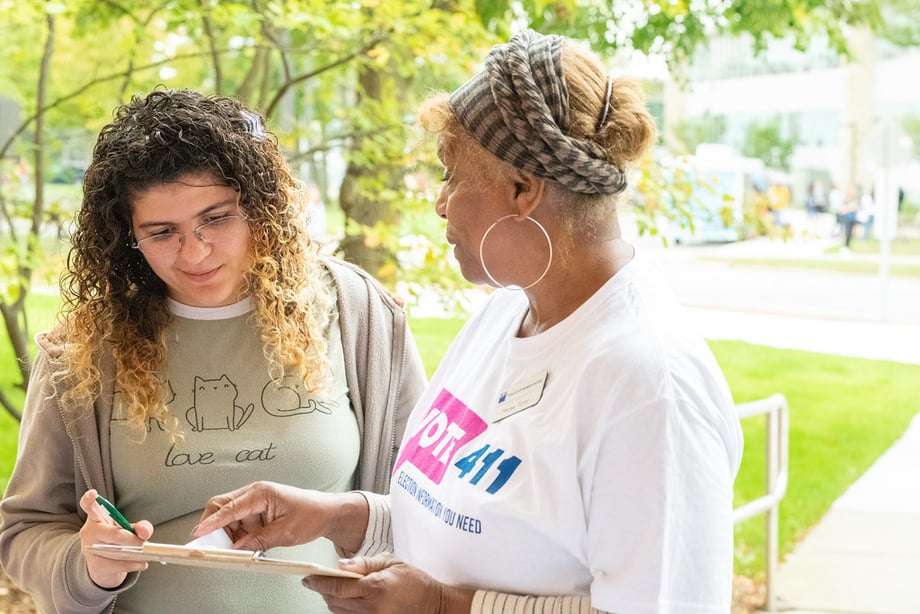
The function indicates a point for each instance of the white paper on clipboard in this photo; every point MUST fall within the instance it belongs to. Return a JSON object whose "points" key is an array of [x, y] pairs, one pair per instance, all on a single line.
{"points": [[221, 558]]}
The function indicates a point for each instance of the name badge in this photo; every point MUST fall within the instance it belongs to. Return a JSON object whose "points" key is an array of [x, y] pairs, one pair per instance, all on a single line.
{"points": [[520, 397]]}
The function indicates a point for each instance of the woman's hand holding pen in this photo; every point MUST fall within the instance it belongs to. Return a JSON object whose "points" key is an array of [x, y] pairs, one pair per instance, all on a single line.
{"points": [[264, 515], [100, 528], [388, 586]]}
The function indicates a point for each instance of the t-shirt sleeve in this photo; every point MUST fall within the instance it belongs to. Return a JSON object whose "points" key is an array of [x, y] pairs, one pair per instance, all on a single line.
{"points": [[660, 529]]}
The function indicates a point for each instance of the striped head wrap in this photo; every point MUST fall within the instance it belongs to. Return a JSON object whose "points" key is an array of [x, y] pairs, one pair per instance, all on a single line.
{"points": [[517, 109]]}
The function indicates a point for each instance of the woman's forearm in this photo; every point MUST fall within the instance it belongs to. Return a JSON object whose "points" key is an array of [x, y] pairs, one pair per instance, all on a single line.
{"points": [[349, 522]]}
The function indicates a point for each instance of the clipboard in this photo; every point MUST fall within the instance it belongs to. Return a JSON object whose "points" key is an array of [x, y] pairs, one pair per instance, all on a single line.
{"points": [[221, 558]]}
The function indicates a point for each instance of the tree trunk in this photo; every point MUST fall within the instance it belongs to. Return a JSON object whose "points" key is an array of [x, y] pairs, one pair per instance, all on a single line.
{"points": [[373, 256], [14, 316]]}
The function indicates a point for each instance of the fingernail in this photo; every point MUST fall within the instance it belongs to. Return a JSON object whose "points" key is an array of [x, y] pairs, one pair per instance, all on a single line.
{"points": [[347, 562], [307, 582], [195, 529]]}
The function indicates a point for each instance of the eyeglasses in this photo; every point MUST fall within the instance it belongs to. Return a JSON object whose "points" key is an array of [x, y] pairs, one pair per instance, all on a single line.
{"points": [[217, 230]]}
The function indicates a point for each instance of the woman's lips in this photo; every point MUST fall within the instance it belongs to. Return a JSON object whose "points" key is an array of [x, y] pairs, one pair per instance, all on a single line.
{"points": [[201, 276]]}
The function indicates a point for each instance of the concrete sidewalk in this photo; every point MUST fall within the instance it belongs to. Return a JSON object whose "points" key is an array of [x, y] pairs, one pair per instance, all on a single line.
{"points": [[864, 555]]}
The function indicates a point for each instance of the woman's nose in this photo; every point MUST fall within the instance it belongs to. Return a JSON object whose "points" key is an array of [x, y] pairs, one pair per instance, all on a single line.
{"points": [[440, 205], [193, 248]]}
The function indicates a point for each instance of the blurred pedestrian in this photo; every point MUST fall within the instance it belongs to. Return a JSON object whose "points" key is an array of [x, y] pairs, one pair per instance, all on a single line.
{"points": [[815, 207], [865, 215], [835, 204], [778, 195], [847, 217]]}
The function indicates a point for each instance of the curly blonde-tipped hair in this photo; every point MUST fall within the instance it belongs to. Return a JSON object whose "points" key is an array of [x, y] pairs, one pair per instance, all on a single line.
{"points": [[114, 303]]}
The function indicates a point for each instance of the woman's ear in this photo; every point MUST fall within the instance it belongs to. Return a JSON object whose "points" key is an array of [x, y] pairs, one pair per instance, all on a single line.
{"points": [[528, 192]]}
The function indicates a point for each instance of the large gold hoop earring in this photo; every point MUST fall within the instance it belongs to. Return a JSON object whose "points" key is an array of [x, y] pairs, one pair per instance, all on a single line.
{"points": [[482, 258]]}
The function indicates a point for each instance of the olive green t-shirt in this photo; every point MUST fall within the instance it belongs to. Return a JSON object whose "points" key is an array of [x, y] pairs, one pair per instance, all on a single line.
{"points": [[239, 427]]}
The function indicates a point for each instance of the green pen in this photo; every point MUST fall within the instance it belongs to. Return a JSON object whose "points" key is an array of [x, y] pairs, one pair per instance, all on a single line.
{"points": [[114, 513]]}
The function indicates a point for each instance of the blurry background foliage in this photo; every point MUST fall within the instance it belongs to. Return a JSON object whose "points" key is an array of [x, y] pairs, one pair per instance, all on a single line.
{"points": [[339, 82]]}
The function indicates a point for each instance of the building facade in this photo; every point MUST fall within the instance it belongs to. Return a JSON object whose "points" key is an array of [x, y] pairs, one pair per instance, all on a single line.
{"points": [[845, 116]]}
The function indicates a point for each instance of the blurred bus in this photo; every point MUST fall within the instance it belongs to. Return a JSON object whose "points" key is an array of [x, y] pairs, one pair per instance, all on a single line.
{"points": [[721, 183]]}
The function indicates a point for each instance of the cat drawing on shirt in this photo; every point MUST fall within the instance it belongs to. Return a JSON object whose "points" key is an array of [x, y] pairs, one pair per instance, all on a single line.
{"points": [[215, 406], [171, 396], [285, 398], [117, 413]]}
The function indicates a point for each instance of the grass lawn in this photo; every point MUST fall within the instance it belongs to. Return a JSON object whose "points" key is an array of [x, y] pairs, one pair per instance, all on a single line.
{"points": [[844, 413], [432, 336], [42, 310]]}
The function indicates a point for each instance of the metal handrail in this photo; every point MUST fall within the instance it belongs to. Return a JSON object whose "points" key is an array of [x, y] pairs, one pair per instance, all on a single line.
{"points": [[777, 445]]}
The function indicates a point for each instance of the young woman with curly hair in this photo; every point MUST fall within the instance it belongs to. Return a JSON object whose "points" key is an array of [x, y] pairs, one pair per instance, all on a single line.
{"points": [[204, 343]]}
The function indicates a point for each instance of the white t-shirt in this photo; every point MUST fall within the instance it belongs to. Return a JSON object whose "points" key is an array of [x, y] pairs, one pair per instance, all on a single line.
{"points": [[597, 457]]}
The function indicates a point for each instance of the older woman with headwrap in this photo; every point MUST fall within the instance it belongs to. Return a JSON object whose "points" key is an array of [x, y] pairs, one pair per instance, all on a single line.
{"points": [[575, 450]]}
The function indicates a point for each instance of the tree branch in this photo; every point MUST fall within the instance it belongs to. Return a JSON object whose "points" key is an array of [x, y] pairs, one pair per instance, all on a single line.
{"points": [[4, 210], [92, 83], [333, 141], [9, 407], [312, 73], [212, 45]]}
